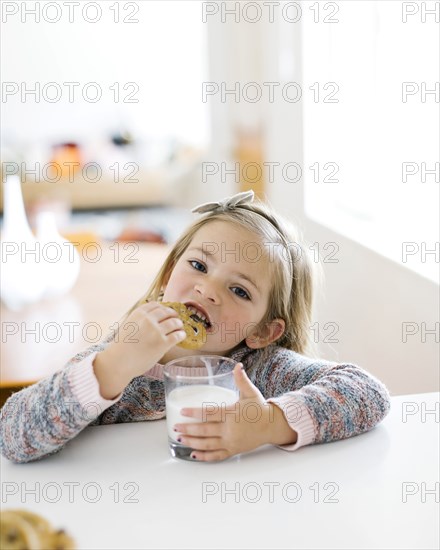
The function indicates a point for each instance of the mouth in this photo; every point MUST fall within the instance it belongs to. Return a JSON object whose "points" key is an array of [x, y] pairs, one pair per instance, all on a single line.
{"points": [[199, 314]]}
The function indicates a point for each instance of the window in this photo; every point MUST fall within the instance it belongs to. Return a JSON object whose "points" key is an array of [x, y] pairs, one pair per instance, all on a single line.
{"points": [[371, 135]]}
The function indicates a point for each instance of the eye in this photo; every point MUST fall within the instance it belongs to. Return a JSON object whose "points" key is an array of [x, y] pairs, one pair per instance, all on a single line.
{"points": [[191, 262], [246, 295]]}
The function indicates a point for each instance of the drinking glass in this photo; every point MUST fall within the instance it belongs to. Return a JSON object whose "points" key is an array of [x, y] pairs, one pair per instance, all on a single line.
{"points": [[196, 381]]}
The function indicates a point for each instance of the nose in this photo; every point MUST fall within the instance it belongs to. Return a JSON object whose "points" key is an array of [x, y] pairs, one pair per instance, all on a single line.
{"points": [[208, 291]]}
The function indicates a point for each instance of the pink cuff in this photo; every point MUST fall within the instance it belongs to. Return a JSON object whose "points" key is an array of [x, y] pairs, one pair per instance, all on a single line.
{"points": [[298, 418], [85, 386], [156, 372]]}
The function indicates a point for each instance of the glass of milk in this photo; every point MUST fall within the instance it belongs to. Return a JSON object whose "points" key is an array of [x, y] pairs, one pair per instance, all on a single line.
{"points": [[196, 381]]}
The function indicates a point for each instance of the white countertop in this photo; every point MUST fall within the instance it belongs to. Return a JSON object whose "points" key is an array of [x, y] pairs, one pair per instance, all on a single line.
{"points": [[376, 490]]}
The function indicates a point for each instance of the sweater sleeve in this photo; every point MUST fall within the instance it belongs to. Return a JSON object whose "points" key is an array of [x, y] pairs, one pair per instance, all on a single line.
{"points": [[40, 419], [323, 402]]}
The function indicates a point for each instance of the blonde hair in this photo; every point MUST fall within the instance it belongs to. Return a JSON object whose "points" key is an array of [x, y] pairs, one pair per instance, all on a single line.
{"points": [[293, 274]]}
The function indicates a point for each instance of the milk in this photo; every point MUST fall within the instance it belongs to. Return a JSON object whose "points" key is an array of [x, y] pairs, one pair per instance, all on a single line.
{"points": [[208, 367], [195, 396]]}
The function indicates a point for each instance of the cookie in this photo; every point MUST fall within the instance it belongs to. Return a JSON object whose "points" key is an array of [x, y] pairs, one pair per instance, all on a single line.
{"points": [[24, 530], [195, 330], [40, 524], [59, 540], [18, 534]]}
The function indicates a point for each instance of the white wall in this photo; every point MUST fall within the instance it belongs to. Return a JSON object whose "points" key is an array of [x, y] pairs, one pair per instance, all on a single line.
{"points": [[369, 297]]}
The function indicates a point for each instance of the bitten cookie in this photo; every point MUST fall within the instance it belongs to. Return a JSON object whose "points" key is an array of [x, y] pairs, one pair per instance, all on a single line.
{"points": [[195, 329], [23, 530]]}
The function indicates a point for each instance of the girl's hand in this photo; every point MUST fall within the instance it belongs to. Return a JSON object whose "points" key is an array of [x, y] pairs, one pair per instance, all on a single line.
{"points": [[145, 336], [235, 429]]}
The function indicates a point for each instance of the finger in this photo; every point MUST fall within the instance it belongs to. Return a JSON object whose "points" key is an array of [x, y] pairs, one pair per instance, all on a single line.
{"points": [[161, 313], [201, 443], [211, 412], [210, 456], [151, 306], [200, 429], [176, 337], [171, 325], [169, 311]]}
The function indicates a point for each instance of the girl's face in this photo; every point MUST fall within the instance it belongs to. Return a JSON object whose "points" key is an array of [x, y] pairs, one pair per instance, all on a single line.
{"points": [[226, 272]]}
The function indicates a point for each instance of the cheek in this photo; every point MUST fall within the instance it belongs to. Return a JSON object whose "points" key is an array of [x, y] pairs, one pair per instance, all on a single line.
{"points": [[233, 314], [177, 279]]}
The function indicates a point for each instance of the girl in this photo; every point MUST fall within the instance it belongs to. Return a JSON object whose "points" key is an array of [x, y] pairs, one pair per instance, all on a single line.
{"points": [[242, 267]]}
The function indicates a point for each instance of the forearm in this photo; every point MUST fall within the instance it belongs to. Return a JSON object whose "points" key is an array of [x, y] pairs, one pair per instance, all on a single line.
{"points": [[279, 432], [112, 381]]}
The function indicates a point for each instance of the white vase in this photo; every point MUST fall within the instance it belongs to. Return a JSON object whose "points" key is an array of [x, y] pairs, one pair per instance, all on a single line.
{"points": [[22, 278], [59, 256]]}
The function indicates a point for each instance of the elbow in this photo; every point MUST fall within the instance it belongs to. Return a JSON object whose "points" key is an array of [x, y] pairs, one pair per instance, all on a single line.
{"points": [[13, 443], [14, 458], [376, 406], [375, 398], [8, 452], [17, 456], [381, 396], [384, 401]]}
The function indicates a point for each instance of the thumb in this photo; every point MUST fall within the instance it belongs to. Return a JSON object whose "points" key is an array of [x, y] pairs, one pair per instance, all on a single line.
{"points": [[247, 389]]}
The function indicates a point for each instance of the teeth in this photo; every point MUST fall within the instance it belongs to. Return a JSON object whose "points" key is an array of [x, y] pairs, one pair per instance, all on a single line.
{"points": [[197, 318], [199, 314]]}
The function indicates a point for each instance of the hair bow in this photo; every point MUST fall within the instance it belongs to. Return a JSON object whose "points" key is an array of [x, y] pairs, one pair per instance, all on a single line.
{"points": [[228, 203]]}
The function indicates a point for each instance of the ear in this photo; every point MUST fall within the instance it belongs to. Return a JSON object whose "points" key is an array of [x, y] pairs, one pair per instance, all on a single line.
{"points": [[272, 332]]}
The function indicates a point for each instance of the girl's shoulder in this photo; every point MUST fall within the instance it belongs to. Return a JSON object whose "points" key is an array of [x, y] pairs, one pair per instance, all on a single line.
{"points": [[274, 354]]}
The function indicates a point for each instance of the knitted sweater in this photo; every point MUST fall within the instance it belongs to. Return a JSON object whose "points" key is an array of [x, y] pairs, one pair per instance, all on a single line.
{"points": [[321, 401]]}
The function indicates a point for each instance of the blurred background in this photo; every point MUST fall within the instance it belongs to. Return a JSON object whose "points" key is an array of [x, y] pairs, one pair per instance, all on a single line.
{"points": [[119, 117]]}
